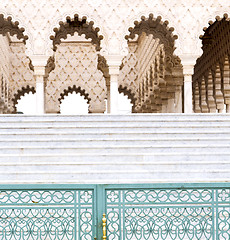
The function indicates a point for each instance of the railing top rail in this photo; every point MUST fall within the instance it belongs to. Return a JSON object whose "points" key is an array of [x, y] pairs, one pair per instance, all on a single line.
{"points": [[114, 186]]}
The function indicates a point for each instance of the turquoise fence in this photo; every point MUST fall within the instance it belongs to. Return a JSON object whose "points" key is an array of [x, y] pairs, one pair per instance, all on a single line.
{"points": [[144, 211]]}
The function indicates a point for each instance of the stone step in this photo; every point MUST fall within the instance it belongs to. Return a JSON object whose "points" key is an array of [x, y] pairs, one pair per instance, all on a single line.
{"points": [[118, 165], [191, 129], [23, 136], [114, 149], [143, 176], [145, 142], [110, 124], [114, 118], [127, 157]]}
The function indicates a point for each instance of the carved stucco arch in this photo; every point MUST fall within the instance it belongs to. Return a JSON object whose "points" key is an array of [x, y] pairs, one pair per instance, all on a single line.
{"points": [[22, 26], [203, 23], [137, 18], [163, 31], [20, 93], [216, 59], [76, 89], [70, 15], [208, 20]]}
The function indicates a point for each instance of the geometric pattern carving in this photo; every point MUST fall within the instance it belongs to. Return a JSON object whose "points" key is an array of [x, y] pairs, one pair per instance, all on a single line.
{"points": [[21, 76], [76, 65], [114, 18]]}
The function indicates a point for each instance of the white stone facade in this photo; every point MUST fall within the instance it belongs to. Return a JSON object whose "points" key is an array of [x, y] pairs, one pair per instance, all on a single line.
{"points": [[106, 25]]}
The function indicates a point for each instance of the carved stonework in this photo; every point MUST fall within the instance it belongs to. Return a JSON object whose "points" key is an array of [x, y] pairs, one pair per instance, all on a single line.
{"points": [[215, 59], [151, 74], [21, 76], [8, 26], [75, 25], [76, 65]]}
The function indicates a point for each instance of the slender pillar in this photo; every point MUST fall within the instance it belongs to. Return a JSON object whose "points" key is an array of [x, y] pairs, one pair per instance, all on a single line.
{"points": [[40, 95], [113, 93], [188, 93], [39, 62], [188, 62], [114, 62]]}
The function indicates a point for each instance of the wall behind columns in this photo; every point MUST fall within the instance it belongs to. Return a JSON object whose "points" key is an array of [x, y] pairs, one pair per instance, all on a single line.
{"points": [[114, 18]]}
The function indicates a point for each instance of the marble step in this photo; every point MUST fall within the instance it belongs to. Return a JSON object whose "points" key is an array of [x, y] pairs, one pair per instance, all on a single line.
{"points": [[111, 124], [107, 157], [114, 118], [114, 130], [118, 165], [145, 142], [155, 148], [40, 136], [101, 176]]}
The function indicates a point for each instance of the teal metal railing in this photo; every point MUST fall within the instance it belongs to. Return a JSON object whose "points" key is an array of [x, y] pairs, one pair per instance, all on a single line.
{"points": [[47, 214], [188, 212], [144, 211]]}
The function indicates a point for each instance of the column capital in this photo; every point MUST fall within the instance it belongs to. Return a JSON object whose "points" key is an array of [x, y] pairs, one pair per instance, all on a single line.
{"points": [[188, 61], [39, 63], [114, 63]]}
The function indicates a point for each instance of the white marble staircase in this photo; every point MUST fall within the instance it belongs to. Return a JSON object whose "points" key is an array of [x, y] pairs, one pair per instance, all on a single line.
{"points": [[138, 148]]}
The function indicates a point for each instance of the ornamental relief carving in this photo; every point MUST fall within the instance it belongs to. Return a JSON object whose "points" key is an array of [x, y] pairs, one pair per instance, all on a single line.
{"points": [[76, 65]]}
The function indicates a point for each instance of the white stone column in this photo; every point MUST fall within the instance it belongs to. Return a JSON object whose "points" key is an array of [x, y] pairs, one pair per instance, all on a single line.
{"points": [[188, 93], [188, 62], [39, 63], [40, 94], [114, 62], [113, 94]]}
